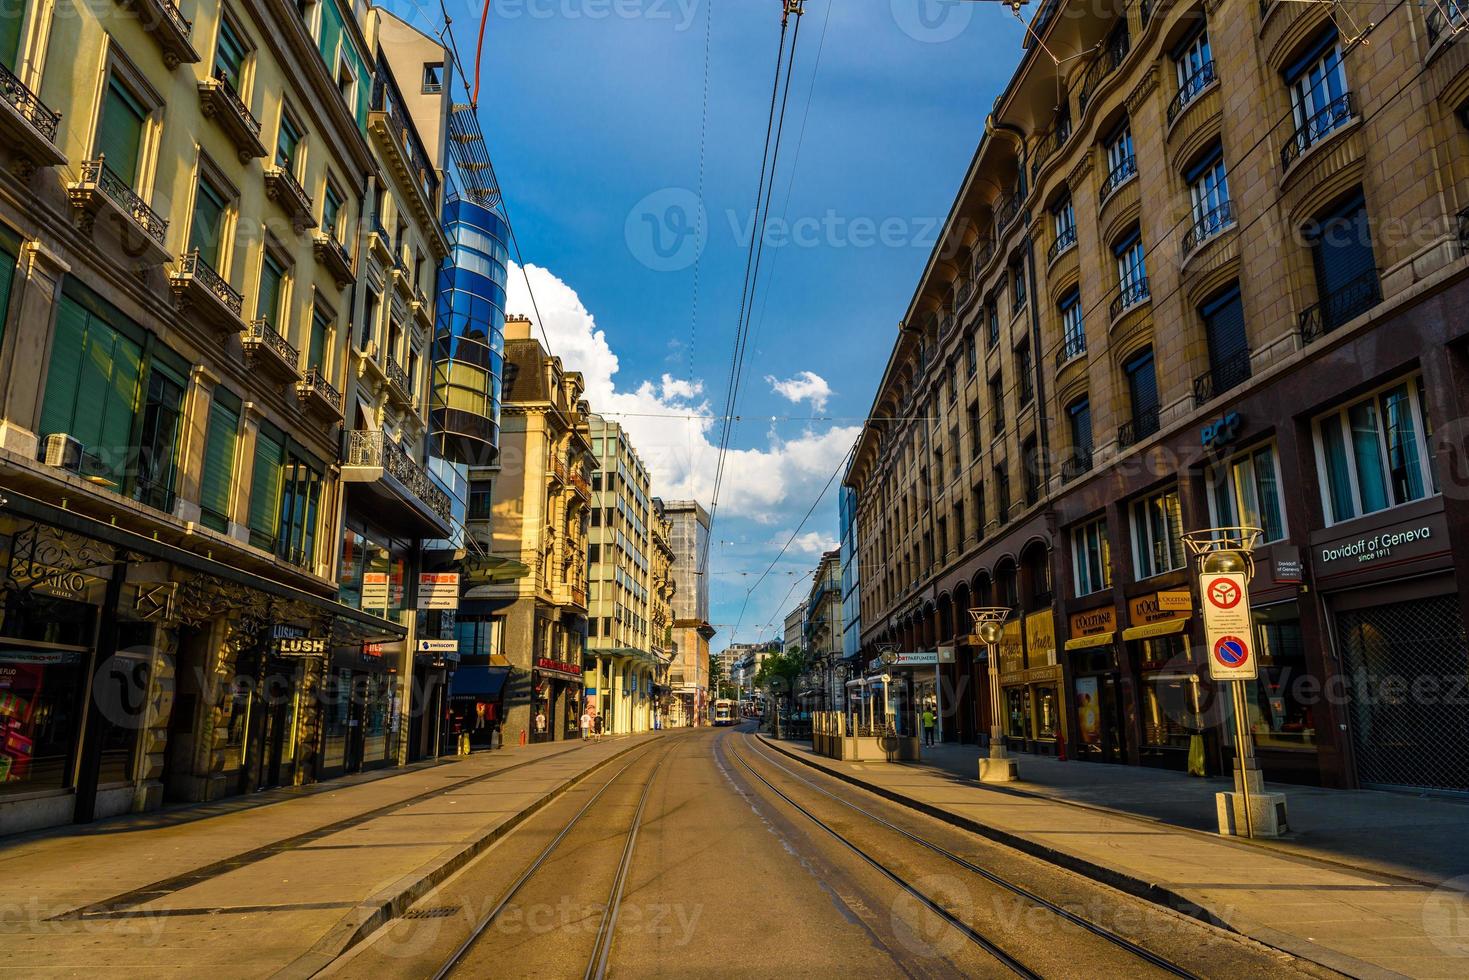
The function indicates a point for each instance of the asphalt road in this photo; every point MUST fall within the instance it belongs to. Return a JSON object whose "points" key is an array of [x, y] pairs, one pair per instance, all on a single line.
{"points": [[705, 854]]}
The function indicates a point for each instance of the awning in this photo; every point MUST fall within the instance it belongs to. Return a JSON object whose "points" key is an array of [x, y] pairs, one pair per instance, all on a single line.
{"points": [[478, 682], [1149, 630], [1089, 641]]}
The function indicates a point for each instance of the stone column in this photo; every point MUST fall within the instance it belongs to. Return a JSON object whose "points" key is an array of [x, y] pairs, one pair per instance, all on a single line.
{"points": [[26, 352]]}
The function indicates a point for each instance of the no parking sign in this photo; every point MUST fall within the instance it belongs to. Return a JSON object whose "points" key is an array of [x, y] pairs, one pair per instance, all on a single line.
{"points": [[1228, 629]]}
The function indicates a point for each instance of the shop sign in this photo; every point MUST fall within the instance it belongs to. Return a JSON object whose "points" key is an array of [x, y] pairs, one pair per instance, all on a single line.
{"points": [[1228, 632], [438, 590], [1012, 648], [1175, 600], [558, 667], [914, 658], [439, 647], [1040, 638], [1222, 431], [1147, 609], [1092, 621], [1286, 564], [1398, 543], [301, 646], [375, 590]]}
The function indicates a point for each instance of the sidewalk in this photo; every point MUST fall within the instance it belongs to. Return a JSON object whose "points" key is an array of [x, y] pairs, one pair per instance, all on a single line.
{"points": [[1352, 888], [252, 887]]}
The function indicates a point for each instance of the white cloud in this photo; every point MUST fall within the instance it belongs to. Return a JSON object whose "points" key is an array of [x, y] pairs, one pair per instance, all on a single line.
{"points": [[808, 543], [806, 386], [671, 421]]}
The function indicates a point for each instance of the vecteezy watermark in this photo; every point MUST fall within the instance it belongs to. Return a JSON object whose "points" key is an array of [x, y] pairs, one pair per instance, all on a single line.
{"points": [[932, 21], [1446, 917], [921, 930], [680, 12], [667, 230]]}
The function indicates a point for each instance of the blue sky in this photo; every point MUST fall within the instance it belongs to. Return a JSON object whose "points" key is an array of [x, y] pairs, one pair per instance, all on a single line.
{"points": [[592, 110]]}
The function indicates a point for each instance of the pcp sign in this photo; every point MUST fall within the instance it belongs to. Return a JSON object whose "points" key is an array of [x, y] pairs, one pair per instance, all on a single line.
{"points": [[1227, 626]]}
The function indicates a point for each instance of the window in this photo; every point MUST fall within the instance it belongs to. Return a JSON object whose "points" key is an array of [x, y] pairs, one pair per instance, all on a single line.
{"points": [[265, 487], [993, 308], [1023, 370], [318, 355], [1002, 493], [1229, 348], [1091, 557], [217, 476], [1245, 492], [300, 501], [1073, 331], [1319, 100], [971, 355], [1142, 387], [369, 318], [120, 132], [997, 403], [1017, 290], [10, 38], [1157, 529], [959, 534], [1079, 418], [331, 212], [1345, 265], [158, 436], [1193, 64], [1375, 453], [1208, 189], [288, 145], [973, 431], [481, 500], [1121, 162], [953, 379], [346, 76], [433, 77], [1063, 227], [272, 292], [1132, 272], [206, 232], [229, 57], [1030, 471], [10, 245]]}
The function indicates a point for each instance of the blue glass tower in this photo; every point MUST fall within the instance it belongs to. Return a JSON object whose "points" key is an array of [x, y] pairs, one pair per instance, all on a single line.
{"points": [[469, 337]]}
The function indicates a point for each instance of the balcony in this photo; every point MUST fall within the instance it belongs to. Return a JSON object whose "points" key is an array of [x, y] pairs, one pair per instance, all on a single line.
{"points": [[1063, 241], [319, 396], [1336, 114], [1073, 345], [98, 191], [1105, 64], [402, 149], [402, 495], [334, 258], [378, 241], [1446, 19], [1008, 210], [423, 310], [1121, 174], [399, 383], [27, 125], [559, 471], [1207, 226], [578, 596], [1352, 299], [219, 101], [403, 281], [1193, 86], [946, 327], [580, 484], [1079, 464], [167, 24], [1051, 143], [266, 349], [1231, 372], [282, 187], [199, 290], [1133, 292], [1144, 422]]}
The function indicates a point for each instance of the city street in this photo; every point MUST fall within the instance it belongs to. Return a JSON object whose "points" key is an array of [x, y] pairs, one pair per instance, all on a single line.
{"points": [[706, 853]]}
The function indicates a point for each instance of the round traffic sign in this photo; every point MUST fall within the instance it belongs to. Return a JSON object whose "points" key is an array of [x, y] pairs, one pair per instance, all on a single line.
{"points": [[1224, 593], [1232, 652]]}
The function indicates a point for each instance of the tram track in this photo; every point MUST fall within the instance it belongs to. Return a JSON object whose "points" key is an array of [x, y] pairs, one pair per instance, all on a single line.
{"points": [[1140, 954]]}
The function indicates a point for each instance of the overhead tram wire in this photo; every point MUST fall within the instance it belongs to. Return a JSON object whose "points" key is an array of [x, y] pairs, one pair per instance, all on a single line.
{"points": [[769, 158]]}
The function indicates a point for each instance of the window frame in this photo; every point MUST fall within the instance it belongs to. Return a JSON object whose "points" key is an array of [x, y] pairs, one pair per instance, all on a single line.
{"points": [[1422, 432], [1140, 518], [1084, 537]]}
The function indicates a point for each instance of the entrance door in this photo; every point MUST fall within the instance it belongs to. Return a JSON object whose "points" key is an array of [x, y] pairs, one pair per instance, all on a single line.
{"points": [[357, 712], [1401, 740], [1100, 720]]}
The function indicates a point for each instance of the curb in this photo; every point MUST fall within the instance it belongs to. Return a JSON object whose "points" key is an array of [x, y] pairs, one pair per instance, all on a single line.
{"points": [[1129, 884], [390, 902]]}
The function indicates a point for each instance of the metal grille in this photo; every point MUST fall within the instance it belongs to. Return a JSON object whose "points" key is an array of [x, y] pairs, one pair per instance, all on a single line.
{"points": [[433, 912], [1406, 666]]}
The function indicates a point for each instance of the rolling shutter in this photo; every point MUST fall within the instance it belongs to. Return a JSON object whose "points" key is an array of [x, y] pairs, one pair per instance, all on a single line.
{"points": [[217, 477]]}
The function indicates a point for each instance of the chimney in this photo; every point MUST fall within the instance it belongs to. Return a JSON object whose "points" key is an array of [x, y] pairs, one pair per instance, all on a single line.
{"points": [[517, 327]]}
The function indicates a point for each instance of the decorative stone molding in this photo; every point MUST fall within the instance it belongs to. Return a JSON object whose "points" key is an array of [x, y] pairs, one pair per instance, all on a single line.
{"points": [[1143, 89]]}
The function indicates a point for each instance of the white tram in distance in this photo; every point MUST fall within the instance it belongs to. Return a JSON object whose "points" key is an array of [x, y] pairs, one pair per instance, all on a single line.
{"points": [[726, 712]]}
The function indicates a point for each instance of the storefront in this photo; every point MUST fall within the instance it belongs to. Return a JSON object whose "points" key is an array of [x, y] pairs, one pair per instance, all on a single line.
{"points": [[1030, 684], [1097, 689], [1168, 682], [428, 698], [360, 700], [556, 692]]}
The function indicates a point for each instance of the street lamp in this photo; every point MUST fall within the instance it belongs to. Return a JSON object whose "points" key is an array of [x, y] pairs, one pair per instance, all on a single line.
{"points": [[989, 625]]}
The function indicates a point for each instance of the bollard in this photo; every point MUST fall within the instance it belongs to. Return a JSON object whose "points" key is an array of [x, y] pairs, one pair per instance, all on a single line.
{"points": [[522, 738]]}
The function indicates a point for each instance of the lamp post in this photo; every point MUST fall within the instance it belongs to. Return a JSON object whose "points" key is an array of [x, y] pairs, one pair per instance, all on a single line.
{"points": [[989, 625], [887, 653]]}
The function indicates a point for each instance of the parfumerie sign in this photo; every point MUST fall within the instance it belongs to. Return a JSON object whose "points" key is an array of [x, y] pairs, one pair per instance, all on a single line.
{"points": [[1401, 542]]}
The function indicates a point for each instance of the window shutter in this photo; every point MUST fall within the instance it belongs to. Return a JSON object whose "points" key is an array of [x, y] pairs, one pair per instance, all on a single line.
{"points": [[67, 343], [120, 133], [219, 465], [121, 409], [265, 491]]}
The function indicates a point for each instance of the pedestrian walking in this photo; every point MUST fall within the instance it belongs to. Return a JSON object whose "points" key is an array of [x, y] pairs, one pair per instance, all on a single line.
{"points": [[586, 725], [597, 726], [540, 723], [928, 722]]}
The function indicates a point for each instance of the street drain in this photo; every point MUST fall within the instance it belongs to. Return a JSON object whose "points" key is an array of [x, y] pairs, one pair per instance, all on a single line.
{"points": [[433, 912]]}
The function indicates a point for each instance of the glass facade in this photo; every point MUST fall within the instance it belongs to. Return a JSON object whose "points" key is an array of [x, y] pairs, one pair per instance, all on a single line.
{"points": [[469, 338], [851, 574]]}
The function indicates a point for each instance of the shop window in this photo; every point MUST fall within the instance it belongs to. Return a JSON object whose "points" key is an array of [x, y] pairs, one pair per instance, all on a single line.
{"points": [[1170, 709], [1091, 557], [1157, 527], [1245, 492], [1278, 716], [1374, 453], [40, 691], [1018, 713]]}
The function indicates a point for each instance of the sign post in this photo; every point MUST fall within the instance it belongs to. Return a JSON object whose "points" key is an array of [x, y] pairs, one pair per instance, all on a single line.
{"points": [[989, 624]]}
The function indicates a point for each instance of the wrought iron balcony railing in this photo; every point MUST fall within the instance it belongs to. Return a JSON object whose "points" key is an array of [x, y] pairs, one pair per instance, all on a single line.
{"points": [[1451, 16], [1144, 422], [1232, 371], [1208, 225], [1120, 174], [1049, 144], [1351, 299], [371, 447], [1008, 210], [1072, 345], [1129, 294], [1335, 114], [1062, 242], [316, 384], [235, 102], [1105, 64], [397, 376], [28, 105], [263, 333], [191, 264], [1190, 89], [97, 174], [1080, 462]]}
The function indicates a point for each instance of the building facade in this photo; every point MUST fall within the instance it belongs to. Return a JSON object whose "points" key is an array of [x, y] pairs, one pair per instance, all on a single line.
{"points": [[823, 631], [522, 639], [689, 672], [1213, 284], [662, 588], [851, 581], [623, 670]]}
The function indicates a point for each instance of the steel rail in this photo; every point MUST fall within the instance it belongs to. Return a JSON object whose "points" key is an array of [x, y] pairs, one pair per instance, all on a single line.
{"points": [[1102, 932]]}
